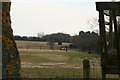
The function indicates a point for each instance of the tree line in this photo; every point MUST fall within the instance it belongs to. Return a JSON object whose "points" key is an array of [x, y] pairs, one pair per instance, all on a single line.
{"points": [[56, 37], [85, 41]]}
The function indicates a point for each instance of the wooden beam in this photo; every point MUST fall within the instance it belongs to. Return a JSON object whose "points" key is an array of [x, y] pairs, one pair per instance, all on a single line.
{"points": [[107, 12], [107, 6]]}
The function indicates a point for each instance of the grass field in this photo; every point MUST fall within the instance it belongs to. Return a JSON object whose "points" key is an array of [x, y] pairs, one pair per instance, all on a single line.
{"points": [[46, 63], [37, 45], [52, 64]]}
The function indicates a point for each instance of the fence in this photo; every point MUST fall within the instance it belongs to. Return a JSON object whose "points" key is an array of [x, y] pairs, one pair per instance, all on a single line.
{"points": [[62, 72]]}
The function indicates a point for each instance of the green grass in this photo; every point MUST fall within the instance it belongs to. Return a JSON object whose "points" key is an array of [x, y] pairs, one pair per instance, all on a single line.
{"points": [[52, 73], [57, 64], [68, 57]]}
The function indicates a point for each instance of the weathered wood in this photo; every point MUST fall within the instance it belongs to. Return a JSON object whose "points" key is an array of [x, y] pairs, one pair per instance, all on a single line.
{"points": [[107, 6], [110, 31], [116, 37], [86, 69], [111, 9], [103, 43], [103, 34]]}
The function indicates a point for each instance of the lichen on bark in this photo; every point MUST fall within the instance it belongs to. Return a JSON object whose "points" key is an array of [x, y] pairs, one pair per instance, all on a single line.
{"points": [[10, 55]]}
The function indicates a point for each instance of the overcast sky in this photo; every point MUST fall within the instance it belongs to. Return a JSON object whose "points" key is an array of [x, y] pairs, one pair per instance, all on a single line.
{"points": [[51, 16]]}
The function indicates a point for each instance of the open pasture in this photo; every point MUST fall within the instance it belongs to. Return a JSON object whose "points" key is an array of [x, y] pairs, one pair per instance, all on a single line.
{"points": [[52, 64], [37, 45], [46, 63]]}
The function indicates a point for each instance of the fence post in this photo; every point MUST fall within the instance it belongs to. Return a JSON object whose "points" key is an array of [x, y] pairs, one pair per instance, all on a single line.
{"points": [[86, 69]]}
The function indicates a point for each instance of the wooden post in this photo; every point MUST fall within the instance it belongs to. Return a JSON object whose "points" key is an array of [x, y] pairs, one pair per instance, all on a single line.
{"points": [[116, 37], [86, 69], [114, 11], [111, 31], [103, 45]]}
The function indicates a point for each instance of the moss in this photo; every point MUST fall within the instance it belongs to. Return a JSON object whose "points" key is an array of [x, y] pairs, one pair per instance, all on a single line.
{"points": [[5, 19], [4, 16], [10, 67], [7, 42], [10, 72]]}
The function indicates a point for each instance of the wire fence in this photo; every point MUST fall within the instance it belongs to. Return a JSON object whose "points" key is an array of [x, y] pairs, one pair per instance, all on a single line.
{"points": [[60, 72]]}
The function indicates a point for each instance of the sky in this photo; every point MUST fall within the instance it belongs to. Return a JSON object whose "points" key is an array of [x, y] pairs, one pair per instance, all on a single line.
{"points": [[30, 17]]}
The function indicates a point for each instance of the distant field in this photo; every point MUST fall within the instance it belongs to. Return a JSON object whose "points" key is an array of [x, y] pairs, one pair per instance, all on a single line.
{"points": [[37, 45]]}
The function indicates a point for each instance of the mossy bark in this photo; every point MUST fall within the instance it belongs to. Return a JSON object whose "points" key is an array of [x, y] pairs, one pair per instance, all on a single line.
{"points": [[10, 55]]}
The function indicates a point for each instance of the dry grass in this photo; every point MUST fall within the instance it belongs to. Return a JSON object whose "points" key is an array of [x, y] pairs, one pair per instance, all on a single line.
{"points": [[46, 62], [37, 45]]}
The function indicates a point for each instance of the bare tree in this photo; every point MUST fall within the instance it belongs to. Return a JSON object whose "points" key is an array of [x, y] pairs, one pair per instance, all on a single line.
{"points": [[40, 34], [93, 22]]}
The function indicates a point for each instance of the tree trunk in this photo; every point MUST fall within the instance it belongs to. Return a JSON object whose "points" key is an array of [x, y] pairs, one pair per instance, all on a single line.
{"points": [[10, 55]]}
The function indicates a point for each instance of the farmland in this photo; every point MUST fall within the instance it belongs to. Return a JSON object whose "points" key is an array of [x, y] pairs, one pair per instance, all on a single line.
{"points": [[55, 64], [37, 45], [46, 63]]}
